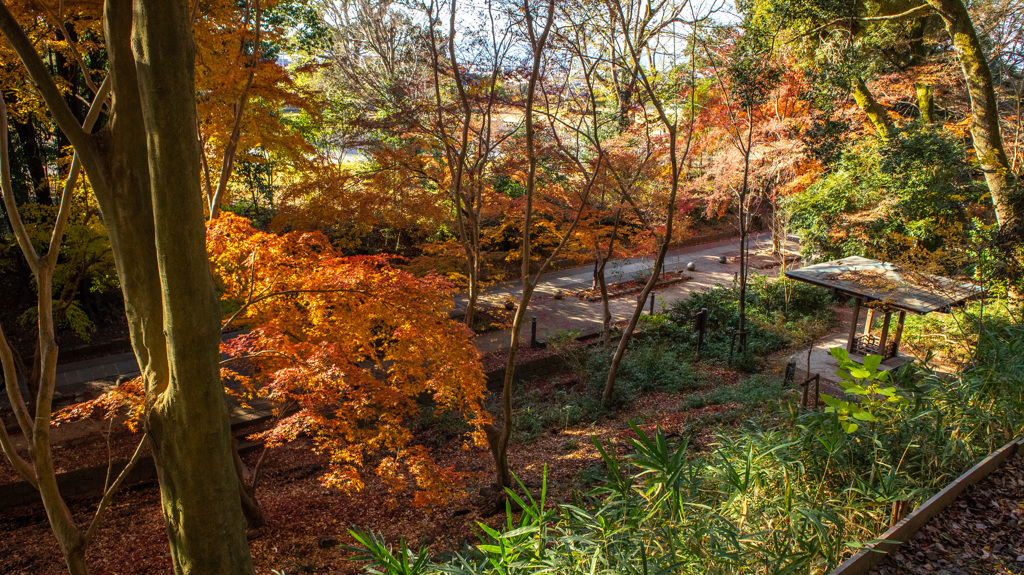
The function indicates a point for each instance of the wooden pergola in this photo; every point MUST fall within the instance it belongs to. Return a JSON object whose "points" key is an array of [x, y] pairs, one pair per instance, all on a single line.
{"points": [[884, 288]]}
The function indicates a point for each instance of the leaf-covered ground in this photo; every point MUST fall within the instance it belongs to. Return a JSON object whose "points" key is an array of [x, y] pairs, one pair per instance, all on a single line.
{"points": [[308, 521], [981, 532]]}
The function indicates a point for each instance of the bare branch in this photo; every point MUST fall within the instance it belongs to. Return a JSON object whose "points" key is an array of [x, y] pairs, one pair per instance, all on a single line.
{"points": [[76, 167], [285, 292], [109, 494]]}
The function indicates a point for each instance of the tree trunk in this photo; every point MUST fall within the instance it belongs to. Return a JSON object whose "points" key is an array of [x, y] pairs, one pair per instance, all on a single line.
{"points": [[502, 474], [988, 142], [876, 114], [925, 103], [777, 229], [627, 333], [744, 230], [144, 169], [255, 518], [188, 417], [474, 288], [606, 312]]}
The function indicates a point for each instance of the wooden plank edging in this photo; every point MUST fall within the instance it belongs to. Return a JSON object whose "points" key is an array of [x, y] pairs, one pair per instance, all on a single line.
{"points": [[900, 533]]}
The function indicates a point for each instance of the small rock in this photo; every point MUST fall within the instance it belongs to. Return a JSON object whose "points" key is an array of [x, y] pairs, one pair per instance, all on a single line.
{"points": [[690, 267], [722, 259], [559, 294]]}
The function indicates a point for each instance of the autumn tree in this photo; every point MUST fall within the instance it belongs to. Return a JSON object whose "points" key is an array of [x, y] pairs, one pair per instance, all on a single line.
{"points": [[243, 87], [645, 31], [470, 135], [588, 145], [424, 96], [746, 75], [344, 348], [971, 54], [535, 24], [144, 167]]}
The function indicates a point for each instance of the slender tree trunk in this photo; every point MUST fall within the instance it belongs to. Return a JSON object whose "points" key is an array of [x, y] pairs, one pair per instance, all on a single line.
{"points": [[473, 261], [606, 312], [70, 539], [777, 229], [627, 333], [876, 114], [251, 509], [502, 476], [500, 450], [988, 141], [744, 230]]}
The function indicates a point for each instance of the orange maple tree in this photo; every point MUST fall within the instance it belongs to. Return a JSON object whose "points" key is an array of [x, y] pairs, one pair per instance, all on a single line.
{"points": [[347, 351], [349, 342]]}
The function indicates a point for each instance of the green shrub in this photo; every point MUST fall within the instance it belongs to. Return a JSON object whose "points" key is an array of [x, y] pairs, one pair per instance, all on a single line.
{"points": [[649, 364], [795, 495], [754, 390], [886, 198], [723, 319], [953, 336]]}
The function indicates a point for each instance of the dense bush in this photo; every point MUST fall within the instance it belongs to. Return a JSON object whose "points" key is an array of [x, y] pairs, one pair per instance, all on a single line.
{"points": [[83, 279], [650, 363], [884, 199], [777, 311], [794, 494], [952, 338]]}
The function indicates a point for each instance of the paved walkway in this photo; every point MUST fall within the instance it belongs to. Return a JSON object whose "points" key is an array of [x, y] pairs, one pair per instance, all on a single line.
{"points": [[553, 316], [571, 313]]}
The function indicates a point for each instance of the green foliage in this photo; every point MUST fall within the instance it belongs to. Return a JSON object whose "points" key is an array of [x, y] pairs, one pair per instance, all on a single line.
{"points": [[882, 199], [538, 411], [779, 312], [752, 391], [952, 338], [649, 364], [69, 316], [824, 138], [85, 267], [797, 494], [864, 383], [393, 562]]}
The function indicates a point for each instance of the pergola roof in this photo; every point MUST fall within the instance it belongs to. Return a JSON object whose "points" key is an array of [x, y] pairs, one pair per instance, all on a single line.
{"points": [[901, 289]]}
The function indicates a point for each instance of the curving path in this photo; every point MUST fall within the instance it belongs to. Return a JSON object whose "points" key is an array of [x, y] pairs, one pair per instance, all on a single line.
{"points": [[553, 316]]}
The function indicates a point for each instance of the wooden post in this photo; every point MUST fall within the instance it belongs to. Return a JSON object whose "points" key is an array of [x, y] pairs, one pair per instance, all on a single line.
{"points": [[885, 335], [853, 326], [899, 332], [869, 321]]}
